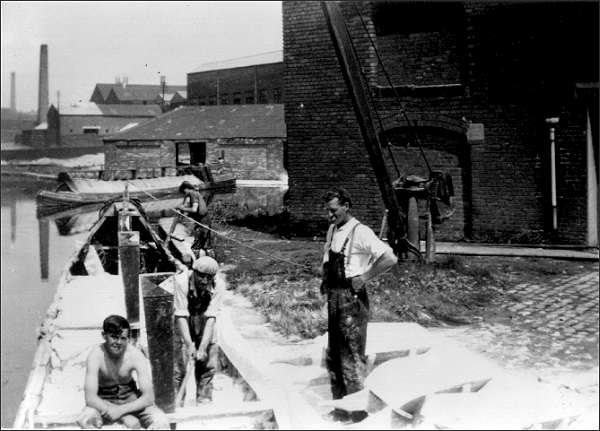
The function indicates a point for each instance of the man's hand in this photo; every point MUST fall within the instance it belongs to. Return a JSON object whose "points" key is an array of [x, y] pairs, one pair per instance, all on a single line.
{"points": [[112, 413], [358, 282], [191, 351], [201, 355]]}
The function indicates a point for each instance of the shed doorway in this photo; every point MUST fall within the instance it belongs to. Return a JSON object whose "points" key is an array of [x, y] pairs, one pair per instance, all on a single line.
{"points": [[190, 153]]}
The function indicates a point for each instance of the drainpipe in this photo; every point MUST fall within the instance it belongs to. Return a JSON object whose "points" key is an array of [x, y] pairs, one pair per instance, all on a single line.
{"points": [[553, 121]]}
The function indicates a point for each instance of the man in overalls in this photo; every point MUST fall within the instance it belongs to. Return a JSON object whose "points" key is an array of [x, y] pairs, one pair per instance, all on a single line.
{"points": [[353, 255], [196, 304]]}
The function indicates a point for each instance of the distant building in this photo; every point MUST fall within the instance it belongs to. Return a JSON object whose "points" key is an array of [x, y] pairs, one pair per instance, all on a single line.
{"points": [[85, 124], [249, 138], [171, 100], [93, 121], [130, 94], [255, 79]]}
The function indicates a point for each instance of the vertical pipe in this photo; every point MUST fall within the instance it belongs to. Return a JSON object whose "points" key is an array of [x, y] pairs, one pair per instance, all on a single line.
{"points": [[160, 325], [429, 240], [552, 122]]}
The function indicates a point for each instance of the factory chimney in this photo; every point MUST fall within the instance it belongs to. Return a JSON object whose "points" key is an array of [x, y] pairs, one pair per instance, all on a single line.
{"points": [[13, 92], [43, 97]]}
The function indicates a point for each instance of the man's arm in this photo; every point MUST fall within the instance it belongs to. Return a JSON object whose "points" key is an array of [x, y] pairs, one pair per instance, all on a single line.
{"points": [[144, 380], [90, 387], [184, 329], [381, 265], [207, 337]]}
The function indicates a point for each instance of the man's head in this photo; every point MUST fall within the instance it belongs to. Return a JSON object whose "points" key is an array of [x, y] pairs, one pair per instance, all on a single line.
{"points": [[115, 331], [337, 205], [185, 186], [205, 269]]}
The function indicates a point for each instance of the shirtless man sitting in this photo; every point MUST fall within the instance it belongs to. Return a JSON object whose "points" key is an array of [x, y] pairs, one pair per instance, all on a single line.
{"points": [[111, 394]]}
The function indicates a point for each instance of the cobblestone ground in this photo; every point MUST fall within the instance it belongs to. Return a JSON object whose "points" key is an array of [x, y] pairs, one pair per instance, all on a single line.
{"points": [[554, 324]]}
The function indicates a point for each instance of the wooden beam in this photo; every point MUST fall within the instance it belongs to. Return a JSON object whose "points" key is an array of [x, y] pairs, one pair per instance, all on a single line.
{"points": [[160, 325], [358, 90], [129, 268]]}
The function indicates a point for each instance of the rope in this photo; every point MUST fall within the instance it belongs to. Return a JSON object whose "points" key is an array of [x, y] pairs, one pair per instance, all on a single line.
{"points": [[223, 235]]}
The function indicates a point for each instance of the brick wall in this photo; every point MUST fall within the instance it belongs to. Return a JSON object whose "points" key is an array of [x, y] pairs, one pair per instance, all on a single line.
{"points": [[250, 159], [505, 173], [147, 158]]}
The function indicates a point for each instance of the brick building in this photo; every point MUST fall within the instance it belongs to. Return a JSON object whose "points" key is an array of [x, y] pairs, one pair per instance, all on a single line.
{"points": [[249, 138], [131, 94], [479, 81], [255, 79]]}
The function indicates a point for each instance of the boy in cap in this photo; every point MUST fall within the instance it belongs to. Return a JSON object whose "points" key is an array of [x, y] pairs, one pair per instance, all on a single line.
{"points": [[196, 304]]}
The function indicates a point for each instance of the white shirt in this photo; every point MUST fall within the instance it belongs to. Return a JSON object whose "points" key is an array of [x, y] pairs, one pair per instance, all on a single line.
{"points": [[181, 286], [362, 250]]}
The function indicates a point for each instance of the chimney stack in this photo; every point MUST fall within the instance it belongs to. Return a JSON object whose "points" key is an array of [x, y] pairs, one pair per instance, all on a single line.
{"points": [[43, 97], [13, 92]]}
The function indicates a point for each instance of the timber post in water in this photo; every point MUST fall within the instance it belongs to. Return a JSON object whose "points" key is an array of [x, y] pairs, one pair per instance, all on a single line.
{"points": [[44, 238], [129, 268], [160, 325]]}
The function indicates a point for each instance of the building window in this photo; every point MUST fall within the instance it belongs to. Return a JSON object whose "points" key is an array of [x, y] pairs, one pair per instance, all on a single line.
{"points": [[237, 98], [276, 95], [224, 99], [212, 100], [262, 96], [249, 98], [91, 130]]}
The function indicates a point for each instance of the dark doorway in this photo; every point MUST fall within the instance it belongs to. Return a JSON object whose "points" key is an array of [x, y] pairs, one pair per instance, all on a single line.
{"points": [[190, 153]]}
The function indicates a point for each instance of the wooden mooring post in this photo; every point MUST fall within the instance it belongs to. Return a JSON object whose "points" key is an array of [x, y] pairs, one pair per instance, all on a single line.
{"points": [[160, 326], [129, 268]]}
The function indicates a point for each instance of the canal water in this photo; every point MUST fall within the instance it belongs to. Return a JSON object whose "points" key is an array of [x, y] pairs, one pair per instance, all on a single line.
{"points": [[34, 253]]}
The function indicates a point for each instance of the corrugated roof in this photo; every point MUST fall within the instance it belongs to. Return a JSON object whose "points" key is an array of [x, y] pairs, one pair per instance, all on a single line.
{"points": [[250, 60], [93, 109], [210, 122]]}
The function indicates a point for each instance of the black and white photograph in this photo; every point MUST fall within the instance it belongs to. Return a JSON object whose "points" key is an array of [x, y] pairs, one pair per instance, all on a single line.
{"points": [[327, 215]]}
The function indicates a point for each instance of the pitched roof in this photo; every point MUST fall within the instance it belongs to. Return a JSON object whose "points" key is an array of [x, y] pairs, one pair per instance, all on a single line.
{"points": [[104, 89], [250, 60], [210, 122], [135, 92], [93, 109]]}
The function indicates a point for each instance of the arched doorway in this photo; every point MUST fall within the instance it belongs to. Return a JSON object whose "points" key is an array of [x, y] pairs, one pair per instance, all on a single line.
{"points": [[446, 150]]}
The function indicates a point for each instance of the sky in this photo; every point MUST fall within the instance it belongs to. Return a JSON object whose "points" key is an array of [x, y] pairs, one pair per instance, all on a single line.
{"points": [[92, 42]]}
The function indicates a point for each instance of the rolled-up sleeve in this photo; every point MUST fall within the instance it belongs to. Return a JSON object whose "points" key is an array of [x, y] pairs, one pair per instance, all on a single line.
{"points": [[180, 291], [215, 303]]}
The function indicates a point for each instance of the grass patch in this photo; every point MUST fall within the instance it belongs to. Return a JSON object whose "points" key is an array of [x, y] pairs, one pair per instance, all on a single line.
{"points": [[454, 290]]}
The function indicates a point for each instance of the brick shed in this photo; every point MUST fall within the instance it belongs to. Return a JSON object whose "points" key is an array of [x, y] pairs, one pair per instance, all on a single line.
{"points": [[249, 138], [479, 81]]}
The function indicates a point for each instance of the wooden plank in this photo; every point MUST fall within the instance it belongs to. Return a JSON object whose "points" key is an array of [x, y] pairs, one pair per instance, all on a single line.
{"points": [[180, 415]]}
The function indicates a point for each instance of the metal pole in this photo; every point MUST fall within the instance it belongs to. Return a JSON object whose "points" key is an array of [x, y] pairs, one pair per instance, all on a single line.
{"points": [[553, 121]]}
